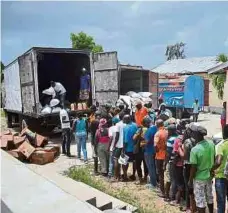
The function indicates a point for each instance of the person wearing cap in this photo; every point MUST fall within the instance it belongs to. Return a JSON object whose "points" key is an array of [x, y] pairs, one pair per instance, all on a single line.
{"points": [[129, 131], [202, 158], [221, 183], [160, 139], [80, 127], [84, 85], [140, 113], [169, 164], [149, 151], [112, 135], [60, 91], [103, 140]]}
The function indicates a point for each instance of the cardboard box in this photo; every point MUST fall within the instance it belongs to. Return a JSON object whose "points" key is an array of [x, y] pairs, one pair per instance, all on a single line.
{"points": [[4, 143], [26, 149], [17, 140], [42, 157], [17, 154], [53, 147], [40, 140]]}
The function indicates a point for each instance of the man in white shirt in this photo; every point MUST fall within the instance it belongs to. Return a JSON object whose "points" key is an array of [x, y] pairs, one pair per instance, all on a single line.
{"points": [[60, 91], [118, 146], [66, 131], [112, 134]]}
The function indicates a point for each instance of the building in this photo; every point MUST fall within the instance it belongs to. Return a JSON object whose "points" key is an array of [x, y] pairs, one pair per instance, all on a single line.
{"points": [[200, 66], [218, 69]]}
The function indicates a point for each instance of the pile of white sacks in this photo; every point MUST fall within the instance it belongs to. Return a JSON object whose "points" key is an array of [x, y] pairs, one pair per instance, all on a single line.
{"points": [[131, 98], [53, 106]]}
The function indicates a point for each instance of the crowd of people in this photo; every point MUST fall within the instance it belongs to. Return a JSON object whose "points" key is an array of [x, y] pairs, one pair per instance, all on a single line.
{"points": [[170, 156]]}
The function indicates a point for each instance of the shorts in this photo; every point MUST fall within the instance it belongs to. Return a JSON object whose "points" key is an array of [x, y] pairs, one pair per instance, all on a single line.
{"points": [[117, 152], [203, 193], [131, 156]]}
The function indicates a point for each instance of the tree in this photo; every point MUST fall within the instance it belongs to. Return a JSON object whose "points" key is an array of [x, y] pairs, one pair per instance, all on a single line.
{"points": [[82, 41], [219, 79], [175, 51]]}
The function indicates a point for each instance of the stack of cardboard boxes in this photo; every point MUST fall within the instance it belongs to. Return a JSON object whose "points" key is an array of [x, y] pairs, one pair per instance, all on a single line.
{"points": [[29, 147]]}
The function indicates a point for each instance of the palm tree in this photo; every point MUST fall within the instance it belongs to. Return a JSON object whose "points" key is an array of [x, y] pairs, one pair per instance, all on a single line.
{"points": [[219, 79]]}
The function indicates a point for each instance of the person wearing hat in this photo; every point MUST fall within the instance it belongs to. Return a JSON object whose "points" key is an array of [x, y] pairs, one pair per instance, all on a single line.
{"points": [[84, 85], [140, 113], [202, 159], [103, 141]]}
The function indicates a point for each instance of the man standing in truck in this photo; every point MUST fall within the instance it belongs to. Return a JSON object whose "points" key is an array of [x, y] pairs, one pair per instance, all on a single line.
{"points": [[60, 91]]}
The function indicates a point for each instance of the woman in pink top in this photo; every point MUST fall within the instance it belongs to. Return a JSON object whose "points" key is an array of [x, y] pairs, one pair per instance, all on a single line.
{"points": [[103, 141]]}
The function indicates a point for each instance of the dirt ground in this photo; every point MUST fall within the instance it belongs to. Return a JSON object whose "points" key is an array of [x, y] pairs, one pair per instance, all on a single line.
{"points": [[145, 196]]}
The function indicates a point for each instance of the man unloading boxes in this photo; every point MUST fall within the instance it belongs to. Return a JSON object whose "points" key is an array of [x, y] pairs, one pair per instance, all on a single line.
{"points": [[60, 91]]}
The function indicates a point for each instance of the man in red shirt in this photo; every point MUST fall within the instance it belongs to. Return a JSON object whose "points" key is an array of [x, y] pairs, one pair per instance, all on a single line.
{"points": [[140, 113]]}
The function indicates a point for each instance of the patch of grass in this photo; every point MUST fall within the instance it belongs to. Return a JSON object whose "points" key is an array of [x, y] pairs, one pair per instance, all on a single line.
{"points": [[82, 174]]}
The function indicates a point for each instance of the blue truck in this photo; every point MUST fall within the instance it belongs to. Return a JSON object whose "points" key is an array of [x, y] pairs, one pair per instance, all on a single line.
{"points": [[179, 94]]}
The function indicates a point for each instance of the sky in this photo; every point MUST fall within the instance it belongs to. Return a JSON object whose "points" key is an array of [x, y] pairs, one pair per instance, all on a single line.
{"points": [[138, 31]]}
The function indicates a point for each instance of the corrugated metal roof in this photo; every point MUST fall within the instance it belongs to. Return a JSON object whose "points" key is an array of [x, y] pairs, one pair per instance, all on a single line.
{"points": [[219, 68], [188, 65]]}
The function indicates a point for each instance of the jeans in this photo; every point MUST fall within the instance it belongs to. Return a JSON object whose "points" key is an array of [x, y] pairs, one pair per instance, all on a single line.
{"points": [[81, 145], [111, 165], [66, 141], [149, 158], [221, 191]]}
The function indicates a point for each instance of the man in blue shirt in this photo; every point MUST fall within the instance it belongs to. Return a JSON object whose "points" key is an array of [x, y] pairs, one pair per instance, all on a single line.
{"points": [[129, 131], [149, 151]]}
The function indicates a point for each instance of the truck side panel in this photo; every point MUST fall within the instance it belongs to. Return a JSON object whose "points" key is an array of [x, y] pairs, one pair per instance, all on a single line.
{"points": [[27, 83], [193, 89], [12, 88], [106, 77]]}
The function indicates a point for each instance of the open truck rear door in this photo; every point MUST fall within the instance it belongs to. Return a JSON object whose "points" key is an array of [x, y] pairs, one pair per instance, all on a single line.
{"points": [[105, 78], [27, 76]]}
